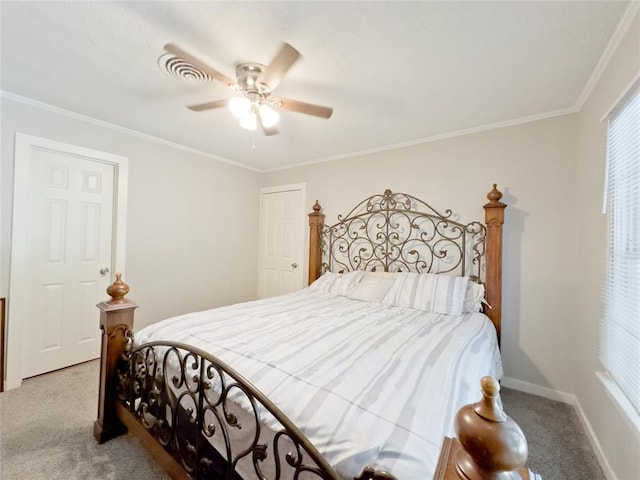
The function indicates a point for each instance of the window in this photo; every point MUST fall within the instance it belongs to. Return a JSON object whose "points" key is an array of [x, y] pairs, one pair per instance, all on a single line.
{"points": [[620, 335]]}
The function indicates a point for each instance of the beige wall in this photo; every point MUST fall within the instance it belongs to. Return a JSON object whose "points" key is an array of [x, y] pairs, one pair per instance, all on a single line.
{"points": [[620, 445], [189, 217]]}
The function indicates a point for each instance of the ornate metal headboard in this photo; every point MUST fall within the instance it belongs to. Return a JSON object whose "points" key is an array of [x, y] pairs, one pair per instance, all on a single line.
{"points": [[398, 232]]}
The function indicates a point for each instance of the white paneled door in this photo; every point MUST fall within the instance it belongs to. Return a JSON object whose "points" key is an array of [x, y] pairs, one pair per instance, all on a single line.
{"points": [[63, 254], [282, 233], [71, 213]]}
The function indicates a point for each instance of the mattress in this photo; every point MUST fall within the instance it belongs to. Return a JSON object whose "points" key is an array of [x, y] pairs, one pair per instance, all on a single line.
{"points": [[367, 383]]}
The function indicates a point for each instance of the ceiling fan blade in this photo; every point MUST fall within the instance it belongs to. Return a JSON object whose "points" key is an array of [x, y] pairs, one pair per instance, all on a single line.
{"points": [[268, 131], [213, 73], [302, 107], [209, 105], [281, 63]]}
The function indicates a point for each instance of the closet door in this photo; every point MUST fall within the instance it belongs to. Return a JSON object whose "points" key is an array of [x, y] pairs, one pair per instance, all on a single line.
{"points": [[282, 234]]}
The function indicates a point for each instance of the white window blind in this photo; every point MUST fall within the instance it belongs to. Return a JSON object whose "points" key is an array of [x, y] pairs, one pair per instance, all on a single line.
{"points": [[620, 335]]}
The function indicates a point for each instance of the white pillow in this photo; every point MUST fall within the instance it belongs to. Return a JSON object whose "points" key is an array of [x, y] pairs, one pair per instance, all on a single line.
{"points": [[382, 274], [436, 293], [473, 298], [372, 288], [337, 283]]}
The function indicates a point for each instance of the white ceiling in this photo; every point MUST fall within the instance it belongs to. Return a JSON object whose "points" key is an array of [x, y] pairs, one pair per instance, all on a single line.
{"points": [[394, 72]]}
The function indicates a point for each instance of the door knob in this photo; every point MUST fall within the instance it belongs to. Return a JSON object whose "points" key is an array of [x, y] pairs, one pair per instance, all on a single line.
{"points": [[104, 271], [294, 265]]}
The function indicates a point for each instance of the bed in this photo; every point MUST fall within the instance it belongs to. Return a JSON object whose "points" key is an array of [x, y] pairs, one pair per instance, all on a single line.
{"points": [[358, 375]]}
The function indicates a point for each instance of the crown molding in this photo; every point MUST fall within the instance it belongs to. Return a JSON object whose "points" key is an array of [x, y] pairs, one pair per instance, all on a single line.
{"points": [[458, 133], [435, 138], [609, 51], [118, 128]]}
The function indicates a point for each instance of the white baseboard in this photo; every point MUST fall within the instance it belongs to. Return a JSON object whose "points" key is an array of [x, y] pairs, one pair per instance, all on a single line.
{"points": [[595, 444], [570, 399], [539, 391]]}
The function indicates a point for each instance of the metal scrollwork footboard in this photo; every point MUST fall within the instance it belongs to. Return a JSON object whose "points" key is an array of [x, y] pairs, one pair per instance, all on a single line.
{"points": [[213, 421]]}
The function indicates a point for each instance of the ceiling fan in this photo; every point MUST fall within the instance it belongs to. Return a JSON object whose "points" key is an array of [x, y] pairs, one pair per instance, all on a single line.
{"points": [[255, 82]]}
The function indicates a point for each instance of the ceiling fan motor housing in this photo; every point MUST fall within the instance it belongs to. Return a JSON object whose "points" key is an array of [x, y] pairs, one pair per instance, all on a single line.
{"points": [[247, 75]]}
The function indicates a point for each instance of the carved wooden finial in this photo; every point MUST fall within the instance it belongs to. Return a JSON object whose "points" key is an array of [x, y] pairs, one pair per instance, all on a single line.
{"points": [[489, 408], [316, 207], [495, 195], [118, 290], [493, 446]]}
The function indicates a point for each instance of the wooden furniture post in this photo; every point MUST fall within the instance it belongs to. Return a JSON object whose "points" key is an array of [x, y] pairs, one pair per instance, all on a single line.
{"points": [[116, 321], [490, 445], [316, 222], [494, 218]]}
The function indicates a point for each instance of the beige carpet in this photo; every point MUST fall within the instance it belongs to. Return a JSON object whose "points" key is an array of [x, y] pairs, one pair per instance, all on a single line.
{"points": [[46, 432], [558, 446]]}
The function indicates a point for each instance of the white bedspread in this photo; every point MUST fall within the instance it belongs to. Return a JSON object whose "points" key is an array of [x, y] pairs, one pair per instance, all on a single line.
{"points": [[368, 384]]}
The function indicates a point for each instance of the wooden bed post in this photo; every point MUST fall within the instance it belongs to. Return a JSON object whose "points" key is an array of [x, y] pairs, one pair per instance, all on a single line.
{"points": [[494, 218], [316, 222], [116, 321]]}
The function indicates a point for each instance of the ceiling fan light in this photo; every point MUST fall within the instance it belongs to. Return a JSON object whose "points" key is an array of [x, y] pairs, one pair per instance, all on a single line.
{"points": [[240, 107], [249, 122], [268, 115]]}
